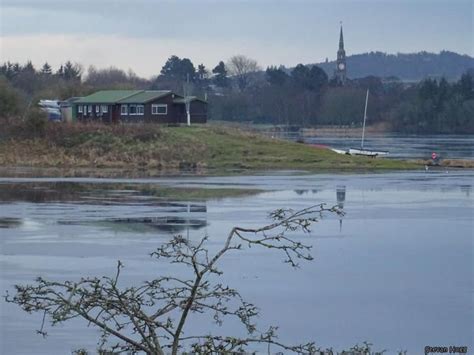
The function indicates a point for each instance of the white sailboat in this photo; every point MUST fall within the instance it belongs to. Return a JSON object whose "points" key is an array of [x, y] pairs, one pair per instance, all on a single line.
{"points": [[362, 150]]}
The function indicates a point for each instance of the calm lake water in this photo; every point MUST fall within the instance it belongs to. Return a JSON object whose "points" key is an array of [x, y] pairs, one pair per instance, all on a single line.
{"points": [[396, 270]]}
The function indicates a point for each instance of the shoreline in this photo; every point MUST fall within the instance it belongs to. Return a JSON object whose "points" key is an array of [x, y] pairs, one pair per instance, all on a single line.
{"points": [[28, 172], [154, 151], [374, 130]]}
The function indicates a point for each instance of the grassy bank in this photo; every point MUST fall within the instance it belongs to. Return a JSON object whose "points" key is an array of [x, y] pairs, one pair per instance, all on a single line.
{"points": [[156, 147]]}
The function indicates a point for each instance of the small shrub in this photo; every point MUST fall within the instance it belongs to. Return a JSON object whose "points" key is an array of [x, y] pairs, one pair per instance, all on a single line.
{"points": [[36, 122]]}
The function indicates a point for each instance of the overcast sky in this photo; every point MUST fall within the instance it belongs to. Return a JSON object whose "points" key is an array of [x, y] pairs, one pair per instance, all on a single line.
{"points": [[142, 34]]}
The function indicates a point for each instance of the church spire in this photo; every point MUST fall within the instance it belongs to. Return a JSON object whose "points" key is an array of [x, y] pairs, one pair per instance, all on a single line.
{"points": [[340, 72], [341, 39]]}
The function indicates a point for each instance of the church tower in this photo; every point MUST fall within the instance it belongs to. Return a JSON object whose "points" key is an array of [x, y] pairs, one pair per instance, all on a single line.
{"points": [[340, 72]]}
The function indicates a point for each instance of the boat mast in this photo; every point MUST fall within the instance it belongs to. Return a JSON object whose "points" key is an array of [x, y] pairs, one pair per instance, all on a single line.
{"points": [[365, 117]]}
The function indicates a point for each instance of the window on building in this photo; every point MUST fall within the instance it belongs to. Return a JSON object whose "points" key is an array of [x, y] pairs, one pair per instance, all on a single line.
{"points": [[159, 109], [104, 108], [79, 109], [89, 108], [124, 110], [132, 109], [97, 109], [140, 110]]}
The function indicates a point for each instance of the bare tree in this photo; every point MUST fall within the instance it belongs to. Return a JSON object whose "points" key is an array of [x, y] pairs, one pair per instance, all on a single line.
{"points": [[151, 317], [242, 68], [115, 78]]}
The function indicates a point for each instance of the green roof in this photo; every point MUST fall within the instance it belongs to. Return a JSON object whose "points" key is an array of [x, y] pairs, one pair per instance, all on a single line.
{"points": [[144, 96], [107, 96], [129, 97], [122, 96]]}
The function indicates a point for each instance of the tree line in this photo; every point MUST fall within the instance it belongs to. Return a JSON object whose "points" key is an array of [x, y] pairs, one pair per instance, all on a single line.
{"points": [[240, 90], [437, 107]]}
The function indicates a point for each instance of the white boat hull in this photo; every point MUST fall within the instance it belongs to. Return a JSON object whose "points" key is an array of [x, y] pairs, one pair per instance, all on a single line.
{"points": [[367, 152], [339, 151]]}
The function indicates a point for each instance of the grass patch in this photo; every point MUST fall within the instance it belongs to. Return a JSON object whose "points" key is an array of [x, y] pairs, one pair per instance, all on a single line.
{"points": [[158, 147]]}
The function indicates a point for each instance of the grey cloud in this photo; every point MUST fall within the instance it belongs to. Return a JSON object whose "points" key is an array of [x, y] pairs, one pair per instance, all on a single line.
{"points": [[292, 25], [173, 19]]}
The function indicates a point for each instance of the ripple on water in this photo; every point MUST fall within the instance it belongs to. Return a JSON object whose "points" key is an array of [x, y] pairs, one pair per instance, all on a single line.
{"points": [[10, 222]]}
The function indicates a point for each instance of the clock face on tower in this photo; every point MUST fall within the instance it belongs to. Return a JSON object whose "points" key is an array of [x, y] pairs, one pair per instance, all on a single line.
{"points": [[341, 66]]}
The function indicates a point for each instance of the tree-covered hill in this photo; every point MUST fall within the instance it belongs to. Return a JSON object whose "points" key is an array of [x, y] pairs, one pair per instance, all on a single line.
{"points": [[407, 67]]}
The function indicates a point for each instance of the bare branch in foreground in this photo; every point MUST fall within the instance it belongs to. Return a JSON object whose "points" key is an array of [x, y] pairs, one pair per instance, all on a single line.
{"points": [[151, 317]]}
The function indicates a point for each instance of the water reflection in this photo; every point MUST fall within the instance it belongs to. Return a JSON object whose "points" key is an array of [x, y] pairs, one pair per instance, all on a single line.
{"points": [[466, 189], [169, 218], [117, 207], [168, 224], [10, 222], [38, 193], [301, 192], [69, 192], [341, 199]]}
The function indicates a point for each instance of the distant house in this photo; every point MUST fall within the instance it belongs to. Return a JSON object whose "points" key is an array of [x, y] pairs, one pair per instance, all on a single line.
{"points": [[112, 106]]}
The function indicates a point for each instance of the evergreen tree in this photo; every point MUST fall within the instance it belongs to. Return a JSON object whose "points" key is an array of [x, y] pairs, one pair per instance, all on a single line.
{"points": [[72, 71], [187, 69], [46, 69], [318, 78], [27, 79], [29, 68], [202, 72], [178, 69], [8, 70], [10, 103], [428, 89], [276, 76], [465, 85], [374, 85], [313, 79], [443, 93], [60, 71], [220, 75], [300, 76], [16, 67]]}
